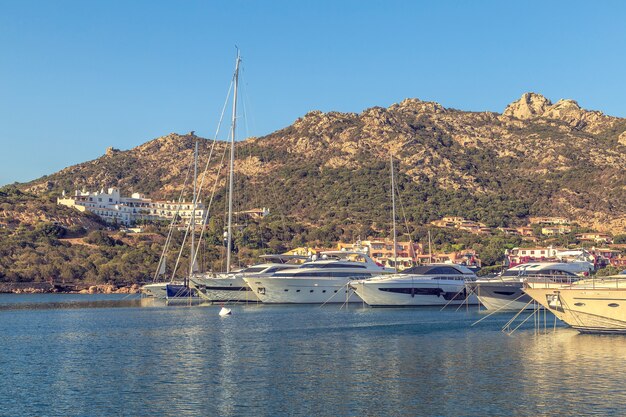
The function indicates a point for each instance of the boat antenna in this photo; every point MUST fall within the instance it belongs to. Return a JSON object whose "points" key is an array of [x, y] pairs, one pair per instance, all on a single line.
{"points": [[229, 239], [393, 211]]}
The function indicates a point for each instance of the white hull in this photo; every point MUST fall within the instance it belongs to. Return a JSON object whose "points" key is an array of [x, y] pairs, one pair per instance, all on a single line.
{"points": [[156, 290], [398, 293], [499, 304], [501, 296], [274, 290], [230, 288]]}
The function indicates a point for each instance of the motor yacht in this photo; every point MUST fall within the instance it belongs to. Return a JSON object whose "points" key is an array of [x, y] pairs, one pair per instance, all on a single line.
{"points": [[424, 285], [322, 280], [504, 292], [596, 305], [231, 287]]}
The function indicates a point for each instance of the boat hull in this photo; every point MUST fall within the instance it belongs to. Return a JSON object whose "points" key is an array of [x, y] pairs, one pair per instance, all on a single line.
{"points": [[225, 289], [588, 310], [157, 289], [502, 296], [179, 291], [275, 290], [414, 293]]}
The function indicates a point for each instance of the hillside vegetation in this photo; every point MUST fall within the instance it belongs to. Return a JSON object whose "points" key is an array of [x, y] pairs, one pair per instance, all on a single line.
{"points": [[537, 158], [327, 177]]}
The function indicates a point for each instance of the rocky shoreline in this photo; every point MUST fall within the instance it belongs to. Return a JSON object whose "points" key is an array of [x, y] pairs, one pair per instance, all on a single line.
{"points": [[63, 288]]}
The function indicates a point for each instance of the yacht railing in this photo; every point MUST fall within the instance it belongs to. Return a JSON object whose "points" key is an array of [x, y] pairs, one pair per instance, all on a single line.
{"points": [[579, 282]]}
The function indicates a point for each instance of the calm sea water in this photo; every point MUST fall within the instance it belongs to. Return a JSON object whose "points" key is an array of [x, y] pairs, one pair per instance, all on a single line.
{"points": [[110, 355]]}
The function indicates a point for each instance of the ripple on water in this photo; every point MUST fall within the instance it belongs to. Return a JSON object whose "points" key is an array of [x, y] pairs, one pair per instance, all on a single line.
{"points": [[299, 360]]}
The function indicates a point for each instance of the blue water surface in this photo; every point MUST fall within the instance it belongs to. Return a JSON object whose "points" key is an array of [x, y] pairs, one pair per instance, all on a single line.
{"points": [[64, 356]]}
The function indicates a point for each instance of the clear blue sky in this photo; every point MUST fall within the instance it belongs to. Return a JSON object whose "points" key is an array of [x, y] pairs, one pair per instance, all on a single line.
{"points": [[77, 76]]}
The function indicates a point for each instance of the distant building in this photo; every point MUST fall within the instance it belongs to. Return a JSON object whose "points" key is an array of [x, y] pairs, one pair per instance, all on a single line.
{"points": [[113, 208], [381, 251], [594, 237], [466, 257], [619, 262], [548, 220], [255, 213], [526, 231], [462, 224], [555, 230], [518, 256]]}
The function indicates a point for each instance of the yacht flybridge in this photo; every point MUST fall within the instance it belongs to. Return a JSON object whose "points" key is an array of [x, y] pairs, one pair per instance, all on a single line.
{"points": [[322, 280], [424, 285]]}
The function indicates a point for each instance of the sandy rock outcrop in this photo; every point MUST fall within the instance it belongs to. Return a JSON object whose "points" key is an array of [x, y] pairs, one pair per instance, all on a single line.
{"points": [[529, 106]]}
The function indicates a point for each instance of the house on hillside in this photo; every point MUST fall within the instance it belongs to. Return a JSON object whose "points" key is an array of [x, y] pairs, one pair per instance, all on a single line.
{"points": [[381, 251], [594, 237], [548, 220], [555, 230]]}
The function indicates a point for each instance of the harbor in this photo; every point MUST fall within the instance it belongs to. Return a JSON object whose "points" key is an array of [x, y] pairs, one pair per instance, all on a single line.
{"points": [[296, 360], [316, 209]]}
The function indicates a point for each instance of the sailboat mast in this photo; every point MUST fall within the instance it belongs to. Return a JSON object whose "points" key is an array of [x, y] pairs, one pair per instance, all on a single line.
{"points": [[393, 211], [430, 249], [192, 222], [229, 243]]}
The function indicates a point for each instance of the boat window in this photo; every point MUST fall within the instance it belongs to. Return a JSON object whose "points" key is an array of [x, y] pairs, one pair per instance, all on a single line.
{"points": [[323, 290], [311, 290], [286, 289], [432, 270], [254, 269], [333, 265], [297, 290], [414, 291], [613, 305], [579, 304], [441, 270]]}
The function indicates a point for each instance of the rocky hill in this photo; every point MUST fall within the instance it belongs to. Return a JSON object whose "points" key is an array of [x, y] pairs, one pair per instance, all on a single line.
{"points": [[536, 158]]}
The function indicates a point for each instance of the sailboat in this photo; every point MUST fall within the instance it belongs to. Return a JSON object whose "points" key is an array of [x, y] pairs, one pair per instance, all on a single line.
{"points": [[184, 290], [158, 289], [230, 286], [433, 284]]}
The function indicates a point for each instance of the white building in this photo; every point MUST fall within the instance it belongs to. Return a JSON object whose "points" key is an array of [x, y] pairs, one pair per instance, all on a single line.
{"points": [[114, 208]]}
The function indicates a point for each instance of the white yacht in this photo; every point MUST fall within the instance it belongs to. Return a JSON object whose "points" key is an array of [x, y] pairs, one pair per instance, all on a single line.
{"points": [[231, 287], [424, 285], [596, 305], [322, 280], [504, 292]]}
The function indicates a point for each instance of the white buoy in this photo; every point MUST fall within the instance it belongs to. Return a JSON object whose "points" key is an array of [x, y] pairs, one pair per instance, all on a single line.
{"points": [[225, 312]]}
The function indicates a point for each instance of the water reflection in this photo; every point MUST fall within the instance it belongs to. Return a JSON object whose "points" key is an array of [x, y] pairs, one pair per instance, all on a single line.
{"points": [[299, 360]]}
